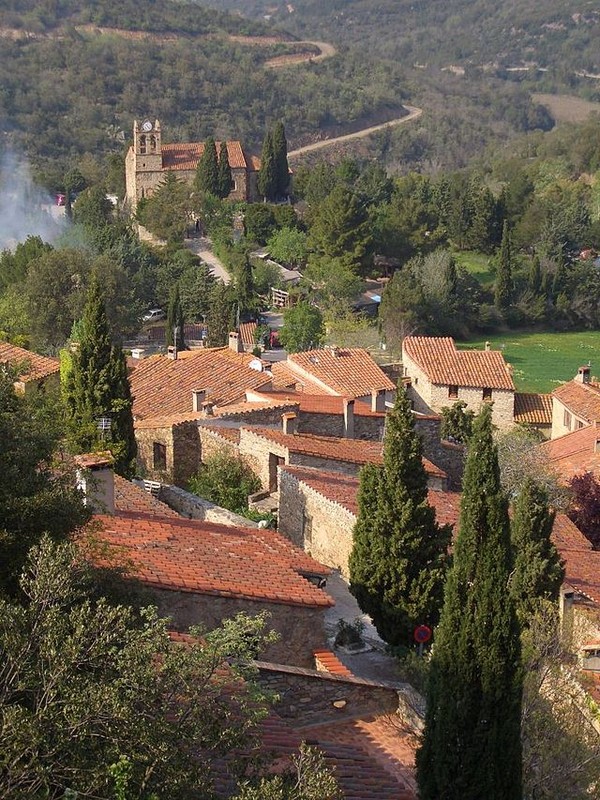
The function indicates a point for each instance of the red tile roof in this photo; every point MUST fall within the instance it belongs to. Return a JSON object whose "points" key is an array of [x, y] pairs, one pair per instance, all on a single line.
{"points": [[574, 452], [533, 409], [284, 377], [445, 365], [329, 662], [162, 386], [322, 403], [583, 399], [343, 489], [185, 155], [169, 421], [247, 331], [207, 558], [346, 371], [354, 451], [34, 366], [132, 498]]}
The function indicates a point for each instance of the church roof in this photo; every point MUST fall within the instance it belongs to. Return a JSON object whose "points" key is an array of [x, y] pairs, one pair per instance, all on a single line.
{"points": [[185, 155]]}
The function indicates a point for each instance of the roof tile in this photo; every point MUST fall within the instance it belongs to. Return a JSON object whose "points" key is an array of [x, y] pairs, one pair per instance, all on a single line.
{"points": [[35, 366], [445, 365], [533, 409], [574, 453], [185, 155], [583, 399], [346, 371]]}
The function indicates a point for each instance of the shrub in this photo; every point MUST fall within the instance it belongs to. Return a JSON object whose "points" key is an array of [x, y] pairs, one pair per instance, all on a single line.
{"points": [[225, 480]]}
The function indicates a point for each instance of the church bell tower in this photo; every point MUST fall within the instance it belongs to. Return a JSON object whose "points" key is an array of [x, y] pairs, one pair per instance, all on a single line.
{"points": [[147, 146]]}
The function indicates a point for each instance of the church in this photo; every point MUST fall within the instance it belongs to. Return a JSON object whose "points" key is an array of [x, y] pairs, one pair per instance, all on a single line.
{"points": [[148, 160]]}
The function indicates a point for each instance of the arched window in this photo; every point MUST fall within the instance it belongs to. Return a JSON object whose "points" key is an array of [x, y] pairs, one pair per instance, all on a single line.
{"points": [[153, 144], [142, 144]]}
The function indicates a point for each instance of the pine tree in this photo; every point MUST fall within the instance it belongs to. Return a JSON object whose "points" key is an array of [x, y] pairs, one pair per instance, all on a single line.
{"points": [[267, 176], [175, 321], [97, 387], [225, 179], [537, 572], [282, 169], [399, 557], [504, 285], [483, 233], [207, 171], [471, 745], [219, 320]]}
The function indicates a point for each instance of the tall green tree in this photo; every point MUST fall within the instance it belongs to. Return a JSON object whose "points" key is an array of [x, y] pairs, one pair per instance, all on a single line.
{"points": [[303, 328], [471, 747], [267, 176], [534, 279], [207, 171], [220, 318], [224, 173], [97, 388], [340, 229], [537, 572], [282, 169], [504, 271], [175, 320], [37, 495], [244, 284], [400, 553]]}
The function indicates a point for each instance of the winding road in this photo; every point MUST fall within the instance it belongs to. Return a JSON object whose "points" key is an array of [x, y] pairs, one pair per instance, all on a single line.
{"points": [[413, 113]]}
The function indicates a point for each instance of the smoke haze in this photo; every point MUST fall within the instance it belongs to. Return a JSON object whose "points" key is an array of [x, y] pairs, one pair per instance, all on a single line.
{"points": [[25, 209]]}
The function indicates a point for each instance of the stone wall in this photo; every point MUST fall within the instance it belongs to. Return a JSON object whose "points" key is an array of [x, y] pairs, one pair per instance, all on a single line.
{"points": [[211, 443], [311, 696], [186, 452], [182, 443], [300, 628], [145, 439], [319, 526], [193, 507], [270, 417], [257, 451], [365, 427], [448, 456], [327, 464]]}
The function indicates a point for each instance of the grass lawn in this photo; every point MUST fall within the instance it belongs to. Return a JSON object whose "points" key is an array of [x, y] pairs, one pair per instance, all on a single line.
{"points": [[478, 264], [541, 361]]}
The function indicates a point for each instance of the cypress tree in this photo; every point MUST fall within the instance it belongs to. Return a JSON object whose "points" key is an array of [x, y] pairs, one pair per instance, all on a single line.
{"points": [[399, 556], [282, 169], [267, 176], [219, 319], [537, 572], [225, 180], [175, 321], [471, 747], [97, 386], [503, 288], [244, 285], [207, 171], [535, 275]]}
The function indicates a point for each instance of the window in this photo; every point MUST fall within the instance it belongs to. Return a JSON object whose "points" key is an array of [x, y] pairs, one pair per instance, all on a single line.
{"points": [[159, 456], [142, 144], [567, 419], [487, 394], [580, 424], [453, 392]]}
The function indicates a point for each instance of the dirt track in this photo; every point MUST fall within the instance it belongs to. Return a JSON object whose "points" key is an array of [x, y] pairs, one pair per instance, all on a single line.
{"points": [[414, 113]]}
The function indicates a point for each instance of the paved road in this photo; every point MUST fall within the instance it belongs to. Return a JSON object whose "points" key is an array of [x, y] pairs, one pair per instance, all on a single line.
{"points": [[413, 113], [202, 247]]}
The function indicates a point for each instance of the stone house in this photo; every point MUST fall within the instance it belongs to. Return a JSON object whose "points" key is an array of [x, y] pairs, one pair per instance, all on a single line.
{"points": [[575, 452], [201, 573], [148, 160], [440, 375], [35, 372], [575, 404]]}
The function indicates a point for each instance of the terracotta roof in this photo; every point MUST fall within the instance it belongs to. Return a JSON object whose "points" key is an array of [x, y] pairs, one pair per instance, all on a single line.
{"points": [[132, 498], [249, 406], [223, 432], [371, 758], [92, 461], [567, 536], [533, 409], [207, 558], [322, 403], [445, 365], [284, 377], [355, 451], [343, 489], [346, 371], [168, 421], [35, 366], [583, 399], [162, 386], [582, 571], [247, 331], [574, 452], [185, 155], [329, 662]]}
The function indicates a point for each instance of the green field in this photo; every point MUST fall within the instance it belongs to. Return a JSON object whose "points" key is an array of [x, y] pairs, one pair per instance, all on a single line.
{"points": [[541, 361], [478, 264]]}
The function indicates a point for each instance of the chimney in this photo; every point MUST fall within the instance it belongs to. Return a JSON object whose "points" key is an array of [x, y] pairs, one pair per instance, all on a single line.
{"points": [[198, 398], [488, 346], [138, 352], [583, 375], [348, 417], [172, 352], [235, 342], [207, 407], [377, 399], [289, 422], [95, 477]]}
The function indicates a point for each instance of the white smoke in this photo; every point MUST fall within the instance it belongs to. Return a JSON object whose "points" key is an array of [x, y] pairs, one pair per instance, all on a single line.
{"points": [[25, 209]]}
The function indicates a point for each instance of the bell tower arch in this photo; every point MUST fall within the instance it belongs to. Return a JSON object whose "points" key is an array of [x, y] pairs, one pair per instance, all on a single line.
{"points": [[143, 164]]}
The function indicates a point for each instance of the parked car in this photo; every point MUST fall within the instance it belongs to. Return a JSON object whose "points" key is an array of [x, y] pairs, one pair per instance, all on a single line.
{"points": [[154, 315]]}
